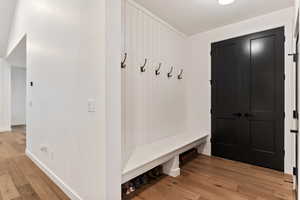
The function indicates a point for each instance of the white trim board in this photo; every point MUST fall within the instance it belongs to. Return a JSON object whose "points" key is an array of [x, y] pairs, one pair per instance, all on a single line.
{"points": [[59, 182], [5, 129], [296, 28]]}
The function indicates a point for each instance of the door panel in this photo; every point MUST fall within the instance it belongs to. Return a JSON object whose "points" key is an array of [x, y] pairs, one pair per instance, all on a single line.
{"points": [[248, 80], [266, 99], [262, 74], [226, 137], [225, 79], [261, 136]]}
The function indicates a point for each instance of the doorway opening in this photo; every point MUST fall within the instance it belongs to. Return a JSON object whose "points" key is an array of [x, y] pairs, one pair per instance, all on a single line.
{"points": [[18, 87]]}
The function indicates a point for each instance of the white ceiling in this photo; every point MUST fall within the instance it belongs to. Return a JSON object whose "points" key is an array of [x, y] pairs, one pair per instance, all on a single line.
{"points": [[195, 16], [7, 8]]}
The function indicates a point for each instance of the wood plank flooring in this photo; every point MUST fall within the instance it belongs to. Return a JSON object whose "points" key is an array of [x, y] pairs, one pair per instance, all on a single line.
{"points": [[204, 178], [210, 178], [20, 178]]}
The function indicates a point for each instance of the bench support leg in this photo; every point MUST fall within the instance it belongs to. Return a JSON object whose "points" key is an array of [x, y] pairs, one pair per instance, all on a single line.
{"points": [[200, 148], [171, 167]]}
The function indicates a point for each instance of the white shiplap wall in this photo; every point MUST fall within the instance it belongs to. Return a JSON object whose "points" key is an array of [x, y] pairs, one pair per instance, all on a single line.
{"points": [[153, 106]]}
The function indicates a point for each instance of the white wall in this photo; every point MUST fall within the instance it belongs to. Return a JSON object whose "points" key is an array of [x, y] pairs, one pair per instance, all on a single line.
{"points": [[198, 87], [113, 100], [18, 96], [153, 106], [5, 92], [67, 44], [297, 4]]}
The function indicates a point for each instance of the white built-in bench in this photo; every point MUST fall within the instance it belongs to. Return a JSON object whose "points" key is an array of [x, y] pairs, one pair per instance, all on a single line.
{"points": [[164, 152]]}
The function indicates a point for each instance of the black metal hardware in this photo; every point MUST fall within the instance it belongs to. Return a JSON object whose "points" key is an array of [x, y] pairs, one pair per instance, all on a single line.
{"points": [[295, 171], [180, 75], [294, 131], [213, 82], [157, 71], [295, 56], [143, 68], [237, 114], [123, 65], [31, 84], [295, 114], [170, 73]]}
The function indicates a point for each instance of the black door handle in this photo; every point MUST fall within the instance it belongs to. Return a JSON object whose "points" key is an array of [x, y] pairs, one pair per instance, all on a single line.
{"points": [[237, 114], [248, 115]]}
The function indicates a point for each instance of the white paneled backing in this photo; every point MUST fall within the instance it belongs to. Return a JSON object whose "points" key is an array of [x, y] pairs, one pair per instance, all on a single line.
{"points": [[153, 106]]}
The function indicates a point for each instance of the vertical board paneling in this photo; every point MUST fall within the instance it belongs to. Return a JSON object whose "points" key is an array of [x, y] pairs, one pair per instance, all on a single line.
{"points": [[153, 106]]}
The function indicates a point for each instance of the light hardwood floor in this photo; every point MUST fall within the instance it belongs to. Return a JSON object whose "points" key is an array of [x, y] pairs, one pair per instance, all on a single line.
{"points": [[209, 178], [204, 178], [20, 179]]}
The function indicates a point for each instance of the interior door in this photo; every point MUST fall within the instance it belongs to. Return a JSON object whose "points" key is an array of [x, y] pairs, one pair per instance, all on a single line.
{"points": [[226, 112], [258, 105], [265, 106]]}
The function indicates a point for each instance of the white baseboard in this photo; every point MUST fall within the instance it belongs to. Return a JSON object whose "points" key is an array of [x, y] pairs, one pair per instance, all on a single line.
{"points": [[19, 124], [5, 129], [60, 183]]}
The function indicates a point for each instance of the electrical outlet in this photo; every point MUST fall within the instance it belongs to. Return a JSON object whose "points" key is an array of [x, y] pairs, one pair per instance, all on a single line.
{"points": [[44, 149]]}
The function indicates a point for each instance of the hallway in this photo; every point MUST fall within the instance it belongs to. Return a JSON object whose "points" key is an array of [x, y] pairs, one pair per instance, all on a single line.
{"points": [[20, 179]]}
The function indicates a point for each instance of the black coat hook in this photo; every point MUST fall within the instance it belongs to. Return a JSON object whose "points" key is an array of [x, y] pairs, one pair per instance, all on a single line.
{"points": [[123, 65], [180, 75], [157, 71], [143, 68], [170, 73]]}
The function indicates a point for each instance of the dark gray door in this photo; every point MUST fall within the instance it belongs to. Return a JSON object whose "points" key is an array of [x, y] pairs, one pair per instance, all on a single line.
{"points": [[248, 99]]}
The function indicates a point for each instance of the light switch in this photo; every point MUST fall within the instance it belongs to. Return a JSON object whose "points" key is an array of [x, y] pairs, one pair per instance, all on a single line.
{"points": [[91, 105]]}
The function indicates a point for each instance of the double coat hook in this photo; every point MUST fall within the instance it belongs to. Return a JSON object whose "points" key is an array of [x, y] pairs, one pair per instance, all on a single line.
{"points": [[143, 67], [180, 75], [157, 71], [170, 73], [123, 65]]}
